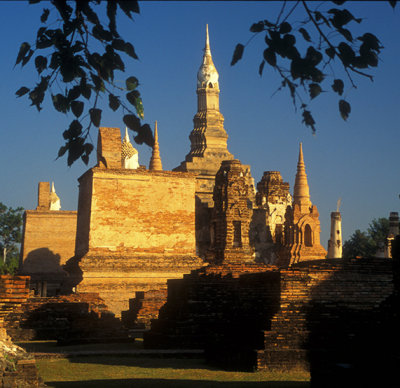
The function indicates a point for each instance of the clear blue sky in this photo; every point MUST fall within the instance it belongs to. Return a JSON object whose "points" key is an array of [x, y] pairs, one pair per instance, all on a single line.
{"points": [[357, 161]]}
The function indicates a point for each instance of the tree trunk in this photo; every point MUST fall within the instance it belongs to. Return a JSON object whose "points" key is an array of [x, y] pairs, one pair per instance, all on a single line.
{"points": [[4, 254]]}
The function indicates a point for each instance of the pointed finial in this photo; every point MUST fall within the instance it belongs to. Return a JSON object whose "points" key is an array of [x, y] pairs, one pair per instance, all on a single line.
{"points": [[301, 191], [155, 161], [126, 138], [54, 199], [207, 73], [338, 204], [207, 47]]}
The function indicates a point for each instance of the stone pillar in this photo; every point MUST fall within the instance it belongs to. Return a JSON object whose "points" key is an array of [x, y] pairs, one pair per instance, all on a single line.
{"points": [[231, 216], [43, 196], [335, 241]]}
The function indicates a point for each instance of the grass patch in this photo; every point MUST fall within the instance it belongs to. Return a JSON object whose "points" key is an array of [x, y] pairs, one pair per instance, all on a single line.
{"points": [[101, 371], [52, 347]]}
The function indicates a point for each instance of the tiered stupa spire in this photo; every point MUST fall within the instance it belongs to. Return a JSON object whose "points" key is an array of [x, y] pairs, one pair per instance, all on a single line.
{"points": [[207, 75], [129, 154], [301, 192], [155, 161], [55, 203]]}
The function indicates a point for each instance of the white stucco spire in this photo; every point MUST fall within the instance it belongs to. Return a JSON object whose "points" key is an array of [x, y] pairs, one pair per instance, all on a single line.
{"points": [[207, 76], [126, 138], [129, 155], [55, 203]]}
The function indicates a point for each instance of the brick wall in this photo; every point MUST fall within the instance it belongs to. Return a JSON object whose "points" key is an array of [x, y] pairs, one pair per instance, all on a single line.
{"points": [[48, 242], [160, 206], [330, 317]]}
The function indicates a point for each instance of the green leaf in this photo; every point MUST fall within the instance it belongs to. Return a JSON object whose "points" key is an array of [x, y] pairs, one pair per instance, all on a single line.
{"points": [[305, 34], [139, 107], [77, 107], [74, 93], [101, 34], [129, 6], [95, 116], [111, 13], [75, 150], [346, 53], [23, 50], [346, 33], [237, 54], [270, 56], [45, 15], [393, 3], [338, 86], [40, 63], [344, 109], [145, 135], [118, 44], [130, 50], [98, 82], [257, 27], [285, 28], [62, 151], [22, 91], [261, 68], [60, 103], [330, 52], [132, 122], [308, 120], [113, 102], [340, 17], [313, 56], [314, 90], [131, 83], [75, 129], [26, 59]]}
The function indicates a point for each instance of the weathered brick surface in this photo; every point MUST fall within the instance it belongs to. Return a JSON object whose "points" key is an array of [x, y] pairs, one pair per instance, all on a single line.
{"points": [[231, 216], [17, 368], [74, 318], [48, 242], [212, 305], [314, 316], [144, 308], [118, 277], [160, 206], [337, 319], [135, 231], [109, 148]]}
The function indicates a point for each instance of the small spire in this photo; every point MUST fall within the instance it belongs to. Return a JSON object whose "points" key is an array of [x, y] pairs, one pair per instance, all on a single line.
{"points": [[55, 203], [155, 161], [126, 138], [207, 47], [301, 192]]}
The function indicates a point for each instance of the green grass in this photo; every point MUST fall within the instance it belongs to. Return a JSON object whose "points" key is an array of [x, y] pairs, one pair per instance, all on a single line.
{"points": [[101, 371]]}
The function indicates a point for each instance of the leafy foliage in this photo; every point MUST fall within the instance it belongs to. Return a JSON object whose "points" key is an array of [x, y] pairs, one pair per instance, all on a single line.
{"points": [[76, 56], [10, 233], [328, 41], [366, 244]]}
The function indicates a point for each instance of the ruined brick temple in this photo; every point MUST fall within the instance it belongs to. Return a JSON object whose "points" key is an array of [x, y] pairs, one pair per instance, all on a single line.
{"points": [[123, 239], [240, 263]]}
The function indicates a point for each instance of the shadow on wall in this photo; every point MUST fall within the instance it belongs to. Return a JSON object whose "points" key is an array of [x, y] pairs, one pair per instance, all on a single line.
{"points": [[41, 260], [47, 275], [354, 340]]}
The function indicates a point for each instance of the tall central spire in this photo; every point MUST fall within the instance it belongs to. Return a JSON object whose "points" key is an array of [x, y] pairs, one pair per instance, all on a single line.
{"points": [[301, 192], [207, 76]]}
